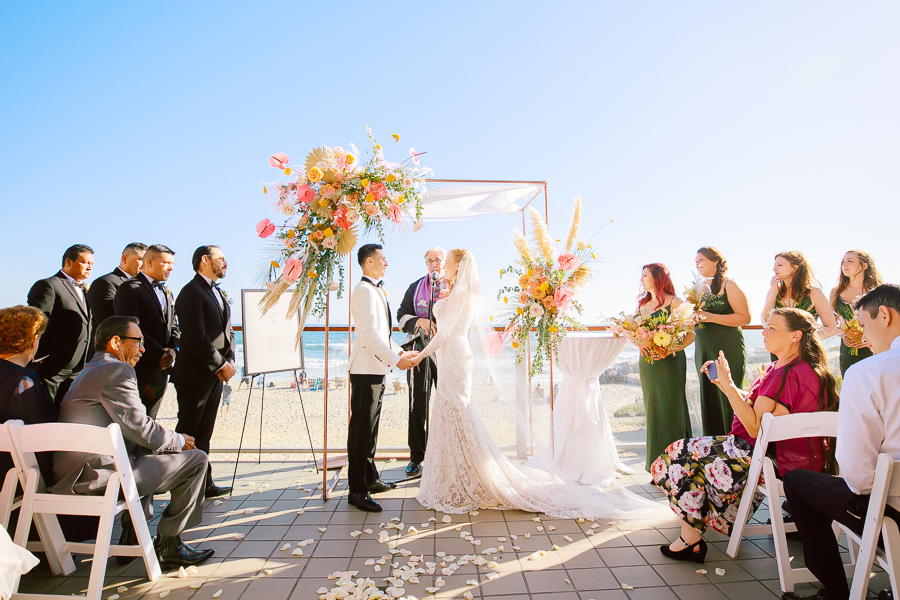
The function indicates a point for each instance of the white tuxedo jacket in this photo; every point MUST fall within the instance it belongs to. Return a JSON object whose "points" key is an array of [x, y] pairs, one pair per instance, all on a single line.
{"points": [[373, 351]]}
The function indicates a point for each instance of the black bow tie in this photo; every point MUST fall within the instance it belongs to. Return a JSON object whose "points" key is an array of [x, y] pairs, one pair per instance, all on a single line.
{"points": [[80, 284], [160, 285], [378, 285]]}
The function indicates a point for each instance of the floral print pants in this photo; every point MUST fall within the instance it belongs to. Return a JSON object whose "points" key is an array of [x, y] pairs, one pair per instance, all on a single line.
{"points": [[703, 479]]}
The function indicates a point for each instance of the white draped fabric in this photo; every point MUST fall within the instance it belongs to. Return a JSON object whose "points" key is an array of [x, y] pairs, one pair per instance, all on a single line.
{"points": [[584, 447], [467, 200], [14, 561]]}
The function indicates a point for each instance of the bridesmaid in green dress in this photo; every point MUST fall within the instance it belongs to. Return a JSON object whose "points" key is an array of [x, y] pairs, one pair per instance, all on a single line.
{"points": [[663, 381], [723, 311], [792, 287], [858, 276]]}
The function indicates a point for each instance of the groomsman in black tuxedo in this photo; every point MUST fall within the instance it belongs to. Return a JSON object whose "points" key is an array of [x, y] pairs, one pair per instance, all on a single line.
{"points": [[62, 298], [206, 360], [146, 297], [103, 290]]}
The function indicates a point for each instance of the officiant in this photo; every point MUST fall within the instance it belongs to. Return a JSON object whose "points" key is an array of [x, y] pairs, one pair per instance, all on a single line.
{"points": [[415, 317]]}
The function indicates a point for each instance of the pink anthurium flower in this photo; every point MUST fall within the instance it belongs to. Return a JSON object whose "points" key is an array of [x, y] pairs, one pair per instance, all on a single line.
{"points": [[279, 160], [293, 268], [265, 228]]}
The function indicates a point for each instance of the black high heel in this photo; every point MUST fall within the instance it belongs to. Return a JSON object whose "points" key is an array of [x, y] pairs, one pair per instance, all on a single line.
{"points": [[687, 554]]}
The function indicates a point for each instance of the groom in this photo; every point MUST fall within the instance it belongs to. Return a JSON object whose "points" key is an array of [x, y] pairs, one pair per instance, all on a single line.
{"points": [[372, 356]]}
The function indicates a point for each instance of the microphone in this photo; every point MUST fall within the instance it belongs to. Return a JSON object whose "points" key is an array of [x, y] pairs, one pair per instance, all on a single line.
{"points": [[435, 275]]}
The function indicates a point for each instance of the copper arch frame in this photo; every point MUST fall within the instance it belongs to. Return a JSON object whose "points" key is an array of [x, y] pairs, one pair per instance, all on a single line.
{"points": [[327, 488]]}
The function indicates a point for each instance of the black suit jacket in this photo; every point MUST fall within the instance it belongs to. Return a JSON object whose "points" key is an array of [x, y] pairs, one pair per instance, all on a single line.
{"points": [[207, 339], [100, 297], [65, 343], [137, 298]]}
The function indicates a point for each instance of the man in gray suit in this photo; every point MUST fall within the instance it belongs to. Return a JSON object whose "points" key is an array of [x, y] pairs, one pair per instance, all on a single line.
{"points": [[163, 461]]}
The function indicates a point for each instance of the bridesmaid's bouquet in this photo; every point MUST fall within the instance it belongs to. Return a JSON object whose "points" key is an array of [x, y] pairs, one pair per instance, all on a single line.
{"points": [[660, 334], [850, 328], [699, 294]]}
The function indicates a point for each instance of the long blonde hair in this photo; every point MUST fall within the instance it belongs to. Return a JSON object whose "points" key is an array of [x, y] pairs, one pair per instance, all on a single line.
{"points": [[871, 279]]}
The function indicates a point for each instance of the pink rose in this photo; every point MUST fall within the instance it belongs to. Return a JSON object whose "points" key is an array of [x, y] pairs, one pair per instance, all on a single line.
{"points": [[568, 261], [658, 470], [371, 209], [293, 268], [265, 228], [305, 194], [563, 297], [394, 212], [279, 161]]}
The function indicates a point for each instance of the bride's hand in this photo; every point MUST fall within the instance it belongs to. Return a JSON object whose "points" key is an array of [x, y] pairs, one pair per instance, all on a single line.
{"points": [[445, 293]]}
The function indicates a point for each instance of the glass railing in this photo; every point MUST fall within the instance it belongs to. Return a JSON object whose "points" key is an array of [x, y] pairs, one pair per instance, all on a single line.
{"points": [[282, 412]]}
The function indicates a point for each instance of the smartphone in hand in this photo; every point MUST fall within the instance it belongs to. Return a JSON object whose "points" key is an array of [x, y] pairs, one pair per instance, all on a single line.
{"points": [[712, 371]]}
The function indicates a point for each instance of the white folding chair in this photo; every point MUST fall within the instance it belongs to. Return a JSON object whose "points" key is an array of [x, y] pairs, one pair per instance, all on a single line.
{"points": [[49, 531], [885, 484], [53, 437], [775, 429]]}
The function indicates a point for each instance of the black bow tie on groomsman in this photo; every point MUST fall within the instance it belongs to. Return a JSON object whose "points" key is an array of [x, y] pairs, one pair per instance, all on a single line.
{"points": [[161, 286], [81, 285]]}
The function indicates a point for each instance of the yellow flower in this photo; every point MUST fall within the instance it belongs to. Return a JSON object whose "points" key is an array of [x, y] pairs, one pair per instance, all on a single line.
{"points": [[554, 328], [287, 171], [370, 197], [291, 233], [661, 338], [348, 160], [514, 344], [505, 300], [492, 318], [364, 182], [265, 191], [312, 274], [401, 199], [274, 263], [328, 232], [378, 146], [390, 178], [323, 202], [396, 137], [530, 272], [315, 175], [519, 310], [544, 286]]}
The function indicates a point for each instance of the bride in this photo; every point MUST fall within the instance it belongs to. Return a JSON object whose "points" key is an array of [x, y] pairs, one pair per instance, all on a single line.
{"points": [[465, 469]]}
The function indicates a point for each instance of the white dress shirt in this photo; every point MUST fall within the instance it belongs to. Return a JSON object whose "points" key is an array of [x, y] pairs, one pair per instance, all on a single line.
{"points": [[869, 418], [160, 295], [78, 291], [215, 291]]}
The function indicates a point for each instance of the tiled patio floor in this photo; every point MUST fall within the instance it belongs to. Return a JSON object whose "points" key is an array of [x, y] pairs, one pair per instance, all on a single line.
{"points": [[249, 530]]}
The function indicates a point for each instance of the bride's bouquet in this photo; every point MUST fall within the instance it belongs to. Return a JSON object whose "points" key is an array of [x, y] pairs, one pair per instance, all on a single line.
{"points": [[661, 334], [544, 294], [327, 202], [850, 328]]}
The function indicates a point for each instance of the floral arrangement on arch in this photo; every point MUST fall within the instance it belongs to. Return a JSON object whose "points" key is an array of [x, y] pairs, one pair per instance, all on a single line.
{"points": [[659, 334], [544, 295], [327, 202]]}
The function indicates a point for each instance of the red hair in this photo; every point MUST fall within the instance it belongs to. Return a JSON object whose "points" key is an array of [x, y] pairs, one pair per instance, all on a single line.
{"points": [[662, 283]]}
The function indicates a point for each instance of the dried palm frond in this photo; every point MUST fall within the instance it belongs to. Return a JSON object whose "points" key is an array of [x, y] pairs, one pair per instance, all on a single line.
{"points": [[580, 276], [325, 211], [322, 153], [346, 240], [541, 234], [294, 304], [522, 246], [573, 230], [270, 298]]}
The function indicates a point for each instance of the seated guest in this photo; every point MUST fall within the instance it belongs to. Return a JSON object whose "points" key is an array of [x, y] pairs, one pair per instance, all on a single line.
{"points": [[703, 477], [163, 461], [868, 424], [21, 394]]}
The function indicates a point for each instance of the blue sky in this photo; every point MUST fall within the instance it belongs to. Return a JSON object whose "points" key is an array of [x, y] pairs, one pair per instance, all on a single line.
{"points": [[752, 127]]}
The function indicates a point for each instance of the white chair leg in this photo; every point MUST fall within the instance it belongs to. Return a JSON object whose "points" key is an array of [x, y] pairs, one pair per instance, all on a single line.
{"points": [[143, 535], [891, 535], [104, 536], [782, 555], [7, 496]]}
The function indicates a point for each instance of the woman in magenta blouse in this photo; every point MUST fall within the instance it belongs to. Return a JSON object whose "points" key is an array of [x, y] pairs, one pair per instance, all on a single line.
{"points": [[704, 477]]}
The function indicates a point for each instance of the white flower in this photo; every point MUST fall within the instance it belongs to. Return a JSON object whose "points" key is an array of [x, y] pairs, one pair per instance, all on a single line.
{"points": [[675, 449], [338, 151], [330, 243], [719, 474], [690, 502], [700, 447], [323, 165], [677, 473], [731, 450], [535, 310], [288, 209], [302, 180], [352, 215]]}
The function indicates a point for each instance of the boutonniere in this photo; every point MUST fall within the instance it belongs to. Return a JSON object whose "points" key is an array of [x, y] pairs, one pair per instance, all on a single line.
{"points": [[167, 292], [385, 292], [228, 299]]}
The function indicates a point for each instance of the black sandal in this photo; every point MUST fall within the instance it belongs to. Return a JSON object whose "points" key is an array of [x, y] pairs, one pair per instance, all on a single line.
{"points": [[687, 554]]}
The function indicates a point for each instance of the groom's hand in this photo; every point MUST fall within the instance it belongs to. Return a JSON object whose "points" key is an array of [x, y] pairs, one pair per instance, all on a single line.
{"points": [[404, 363]]}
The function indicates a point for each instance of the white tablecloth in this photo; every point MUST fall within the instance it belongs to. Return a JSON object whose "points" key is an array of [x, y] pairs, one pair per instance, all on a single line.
{"points": [[14, 560], [584, 448]]}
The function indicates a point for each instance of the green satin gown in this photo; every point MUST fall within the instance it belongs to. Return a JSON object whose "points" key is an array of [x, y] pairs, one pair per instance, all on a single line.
{"points": [[665, 401], [716, 412], [804, 303]]}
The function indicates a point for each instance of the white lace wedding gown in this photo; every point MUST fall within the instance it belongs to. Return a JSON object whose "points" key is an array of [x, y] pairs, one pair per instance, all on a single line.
{"points": [[465, 469]]}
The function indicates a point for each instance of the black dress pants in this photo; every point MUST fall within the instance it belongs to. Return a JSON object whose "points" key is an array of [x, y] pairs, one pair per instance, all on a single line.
{"points": [[366, 392], [198, 404], [815, 500], [416, 378]]}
